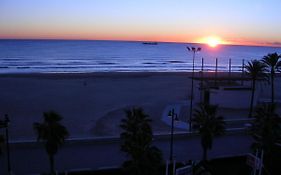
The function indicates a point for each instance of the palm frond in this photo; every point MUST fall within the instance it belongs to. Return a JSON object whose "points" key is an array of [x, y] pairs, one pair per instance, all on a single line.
{"points": [[272, 62], [51, 131], [256, 69], [136, 140]]}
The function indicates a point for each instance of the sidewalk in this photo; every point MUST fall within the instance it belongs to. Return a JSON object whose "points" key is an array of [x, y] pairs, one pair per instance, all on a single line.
{"points": [[90, 154]]}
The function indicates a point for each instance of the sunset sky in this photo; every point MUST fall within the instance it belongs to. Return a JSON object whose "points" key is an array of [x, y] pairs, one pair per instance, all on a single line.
{"points": [[253, 22]]}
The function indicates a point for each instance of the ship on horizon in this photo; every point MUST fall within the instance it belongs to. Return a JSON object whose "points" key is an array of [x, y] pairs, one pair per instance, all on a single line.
{"points": [[150, 43]]}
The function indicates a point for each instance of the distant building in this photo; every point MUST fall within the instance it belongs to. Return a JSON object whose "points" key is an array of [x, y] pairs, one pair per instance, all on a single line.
{"points": [[227, 92]]}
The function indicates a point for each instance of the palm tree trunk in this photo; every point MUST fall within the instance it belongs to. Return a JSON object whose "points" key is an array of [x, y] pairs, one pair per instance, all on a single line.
{"points": [[252, 97], [205, 154], [272, 88], [52, 162]]}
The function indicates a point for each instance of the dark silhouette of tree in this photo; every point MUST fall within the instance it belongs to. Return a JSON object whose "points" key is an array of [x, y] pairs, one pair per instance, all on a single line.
{"points": [[209, 125], [255, 69], [53, 133], [273, 64], [136, 142], [2, 142], [266, 128], [266, 131]]}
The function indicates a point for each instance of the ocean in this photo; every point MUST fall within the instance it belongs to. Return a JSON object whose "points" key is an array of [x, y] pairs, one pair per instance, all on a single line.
{"points": [[75, 56]]}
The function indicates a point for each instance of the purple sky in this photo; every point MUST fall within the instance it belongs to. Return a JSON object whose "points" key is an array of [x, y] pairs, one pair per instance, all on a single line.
{"points": [[233, 21]]}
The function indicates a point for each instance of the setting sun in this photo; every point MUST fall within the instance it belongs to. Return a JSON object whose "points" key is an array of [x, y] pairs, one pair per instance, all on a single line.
{"points": [[212, 41]]}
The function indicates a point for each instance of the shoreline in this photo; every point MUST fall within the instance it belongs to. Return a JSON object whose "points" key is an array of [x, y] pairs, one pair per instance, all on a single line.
{"points": [[114, 74]]}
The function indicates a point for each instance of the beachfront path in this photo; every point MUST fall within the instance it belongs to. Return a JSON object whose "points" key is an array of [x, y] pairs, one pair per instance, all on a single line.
{"points": [[27, 158]]}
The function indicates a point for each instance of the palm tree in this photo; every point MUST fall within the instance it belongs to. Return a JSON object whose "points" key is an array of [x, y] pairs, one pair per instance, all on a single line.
{"points": [[52, 133], [255, 69], [266, 131], [266, 128], [209, 125], [273, 64], [136, 142], [2, 141]]}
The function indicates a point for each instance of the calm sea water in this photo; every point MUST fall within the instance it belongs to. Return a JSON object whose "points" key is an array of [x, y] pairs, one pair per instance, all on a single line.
{"points": [[26, 56]]}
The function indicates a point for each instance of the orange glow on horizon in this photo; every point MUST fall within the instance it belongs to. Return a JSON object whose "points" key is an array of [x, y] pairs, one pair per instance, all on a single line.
{"points": [[211, 41]]}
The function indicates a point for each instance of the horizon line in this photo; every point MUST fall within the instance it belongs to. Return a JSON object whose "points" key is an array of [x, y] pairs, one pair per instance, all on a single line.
{"points": [[120, 40]]}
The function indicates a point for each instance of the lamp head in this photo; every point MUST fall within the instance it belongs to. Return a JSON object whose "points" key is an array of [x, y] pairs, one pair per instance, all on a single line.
{"points": [[194, 49], [170, 113]]}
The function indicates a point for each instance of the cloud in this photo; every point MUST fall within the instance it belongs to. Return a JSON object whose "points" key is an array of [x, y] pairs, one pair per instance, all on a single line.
{"points": [[246, 41], [277, 43]]}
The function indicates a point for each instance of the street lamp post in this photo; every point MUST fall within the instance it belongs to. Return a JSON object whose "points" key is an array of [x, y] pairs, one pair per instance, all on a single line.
{"points": [[193, 50], [5, 124], [174, 117]]}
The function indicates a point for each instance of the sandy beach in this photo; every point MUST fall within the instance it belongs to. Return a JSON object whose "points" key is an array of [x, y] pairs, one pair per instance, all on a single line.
{"points": [[93, 104]]}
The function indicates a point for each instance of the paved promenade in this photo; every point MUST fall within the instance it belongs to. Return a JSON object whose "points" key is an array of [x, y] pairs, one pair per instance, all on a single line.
{"points": [[30, 157]]}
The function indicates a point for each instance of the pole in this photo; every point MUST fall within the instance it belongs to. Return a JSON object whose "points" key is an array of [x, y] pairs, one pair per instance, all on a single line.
{"points": [[216, 71], [191, 96], [256, 156], [194, 50], [172, 141], [242, 81], [202, 72], [167, 167], [229, 70], [172, 137], [202, 66], [261, 163], [174, 167], [7, 143]]}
